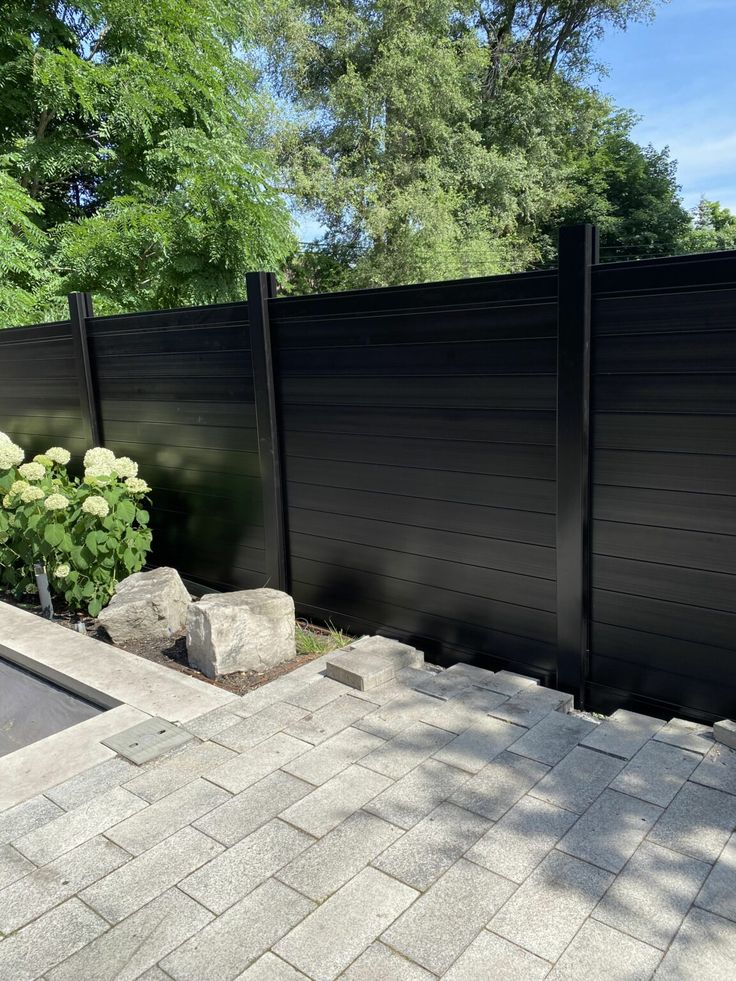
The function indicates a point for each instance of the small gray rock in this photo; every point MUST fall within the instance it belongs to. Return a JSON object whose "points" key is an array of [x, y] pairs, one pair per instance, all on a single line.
{"points": [[248, 630], [725, 732], [146, 605]]}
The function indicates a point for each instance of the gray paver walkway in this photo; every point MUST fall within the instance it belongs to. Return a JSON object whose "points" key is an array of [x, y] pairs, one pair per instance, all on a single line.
{"points": [[457, 826]]}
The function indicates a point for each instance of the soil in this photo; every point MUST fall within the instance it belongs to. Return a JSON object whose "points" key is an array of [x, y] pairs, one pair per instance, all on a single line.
{"points": [[172, 652]]}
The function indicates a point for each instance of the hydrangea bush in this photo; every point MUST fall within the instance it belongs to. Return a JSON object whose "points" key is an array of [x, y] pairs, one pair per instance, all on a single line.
{"points": [[89, 532]]}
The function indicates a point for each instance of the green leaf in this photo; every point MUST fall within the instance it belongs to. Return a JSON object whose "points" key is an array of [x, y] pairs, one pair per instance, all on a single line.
{"points": [[142, 516], [94, 607], [54, 534], [125, 511], [91, 542]]}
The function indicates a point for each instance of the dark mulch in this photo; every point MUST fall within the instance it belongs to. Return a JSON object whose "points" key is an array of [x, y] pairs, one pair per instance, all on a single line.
{"points": [[172, 652]]}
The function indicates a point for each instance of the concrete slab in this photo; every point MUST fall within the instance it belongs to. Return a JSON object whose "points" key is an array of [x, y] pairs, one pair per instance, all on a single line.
{"points": [[623, 734], [489, 952], [698, 822], [656, 772], [147, 740], [718, 769], [718, 895], [687, 735], [600, 953], [578, 779], [498, 786], [705, 947], [417, 794], [552, 738], [652, 895]]}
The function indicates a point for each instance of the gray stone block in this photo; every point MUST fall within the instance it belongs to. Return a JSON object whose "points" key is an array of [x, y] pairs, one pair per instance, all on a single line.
{"points": [[421, 855], [443, 922], [330, 804], [378, 963], [44, 888], [698, 822], [719, 892], [402, 655], [246, 630], [491, 956], [478, 745], [325, 761], [330, 720], [552, 904], [246, 733], [93, 782], [417, 794], [623, 734], [341, 854], [41, 945], [457, 678], [392, 718], [271, 968], [146, 828], [230, 943], [553, 737], [705, 947], [530, 706], [240, 772], [239, 816], [75, 827], [361, 669], [26, 817], [611, 830], [338, 931], [725, 732], [509, 683], [208, 725], [131, 949], [525, 835], [651, 896], [316, 694], [408, 749], [718, 769], [168, 775], [234, 873], [460, 712], [687, 735], [149, 604], [656, 773], [149, 875], [578, 779], [600, 953], [498, 786], [13, 866]]}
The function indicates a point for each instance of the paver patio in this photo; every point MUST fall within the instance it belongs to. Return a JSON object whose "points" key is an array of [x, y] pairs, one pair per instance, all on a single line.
{"points": [[469, 830]]}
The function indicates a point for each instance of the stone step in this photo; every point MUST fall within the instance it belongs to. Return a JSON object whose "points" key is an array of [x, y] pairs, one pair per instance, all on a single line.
{"points": [[371, 661]]}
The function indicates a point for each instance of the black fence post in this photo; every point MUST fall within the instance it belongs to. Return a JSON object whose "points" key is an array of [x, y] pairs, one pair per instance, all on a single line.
{"points": [[261, 287], [80, 310], [578, 251]]}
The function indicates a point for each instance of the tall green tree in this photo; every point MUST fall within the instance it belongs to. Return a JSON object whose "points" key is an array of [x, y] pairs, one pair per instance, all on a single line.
{"points": [[135, 141], [448, 138]]}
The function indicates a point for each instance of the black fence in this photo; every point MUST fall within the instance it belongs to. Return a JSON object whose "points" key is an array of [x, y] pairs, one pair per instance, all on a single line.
{"points": [[412, 460]]}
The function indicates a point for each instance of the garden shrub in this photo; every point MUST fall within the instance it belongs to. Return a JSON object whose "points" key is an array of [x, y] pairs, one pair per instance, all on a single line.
{"points": [[89, 532]]}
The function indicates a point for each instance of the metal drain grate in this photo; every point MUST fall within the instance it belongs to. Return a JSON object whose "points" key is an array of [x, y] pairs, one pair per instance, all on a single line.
{"points": [[147, 740]]}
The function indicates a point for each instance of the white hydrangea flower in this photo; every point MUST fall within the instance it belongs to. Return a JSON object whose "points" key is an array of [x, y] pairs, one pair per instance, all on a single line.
{"points": [[11, 455], [31, 590], [18, 486], [56, 502], [125, 467], [4, 438], [31, 494], [7, 501], [62, 571], [96, 505], [58, 455], [137, 486], [44, 460], [99, 457], [32, 471]]}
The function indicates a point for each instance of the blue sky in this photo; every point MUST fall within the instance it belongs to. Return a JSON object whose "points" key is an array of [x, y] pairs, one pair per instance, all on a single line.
{"points": [[679, 74]]}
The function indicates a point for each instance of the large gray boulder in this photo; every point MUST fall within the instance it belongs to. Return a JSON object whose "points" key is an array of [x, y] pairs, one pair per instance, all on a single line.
{"points": [[249, 630], [146, 606]]}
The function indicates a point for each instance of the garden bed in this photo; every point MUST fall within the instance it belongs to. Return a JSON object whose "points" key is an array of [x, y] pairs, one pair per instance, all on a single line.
{"points": [[312, 641]]}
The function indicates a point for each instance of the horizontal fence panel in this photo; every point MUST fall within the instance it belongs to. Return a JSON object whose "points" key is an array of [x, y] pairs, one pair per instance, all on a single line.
{"points": [[470, 520], [664, 482], [424, 408]]}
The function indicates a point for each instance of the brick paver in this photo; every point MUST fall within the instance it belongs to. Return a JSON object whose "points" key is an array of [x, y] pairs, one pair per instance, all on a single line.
{"points": [[309, 832]]}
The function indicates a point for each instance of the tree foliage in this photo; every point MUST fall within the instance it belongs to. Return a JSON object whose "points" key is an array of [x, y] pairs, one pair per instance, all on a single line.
{"points": [[452, 138], [136, 143]]}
